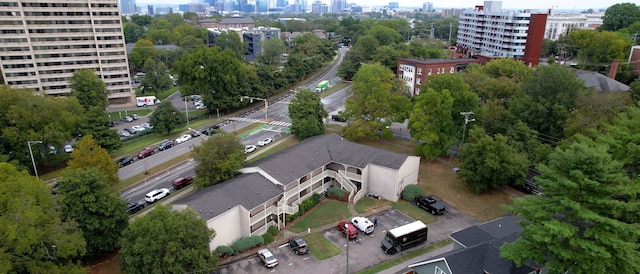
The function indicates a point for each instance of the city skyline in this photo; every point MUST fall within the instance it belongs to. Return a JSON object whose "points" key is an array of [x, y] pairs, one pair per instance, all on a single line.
{"points": [[576, 6]]}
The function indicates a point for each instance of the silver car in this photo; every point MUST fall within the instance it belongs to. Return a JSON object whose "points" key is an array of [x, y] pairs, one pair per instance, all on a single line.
{"points": [[267, 258]]}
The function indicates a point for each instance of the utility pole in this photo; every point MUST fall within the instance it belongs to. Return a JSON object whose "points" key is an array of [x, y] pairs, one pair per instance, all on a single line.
{"points": [[466, 121], [431, 35], [266, 104], [35, 169], [450, 30]]}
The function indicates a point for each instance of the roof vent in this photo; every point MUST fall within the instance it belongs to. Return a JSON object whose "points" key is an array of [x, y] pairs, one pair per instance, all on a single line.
{"points": [[211, 211], [257, 192]]}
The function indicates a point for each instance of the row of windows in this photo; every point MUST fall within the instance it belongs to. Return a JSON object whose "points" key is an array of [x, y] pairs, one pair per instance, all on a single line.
{"points": [[17, 66], [21, 74], [61, 13], [66, 55], [15, 57], [60, 30], [59, 47], [12, 31], [63, 39], [23, 83], [55, 5], [66, 63], [58, 22], [14, 49], [12, 40]]}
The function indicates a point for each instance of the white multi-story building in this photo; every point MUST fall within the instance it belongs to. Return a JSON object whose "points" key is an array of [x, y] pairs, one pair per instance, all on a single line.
{"points": [[493, 33], [563, 23], [43, 42]]}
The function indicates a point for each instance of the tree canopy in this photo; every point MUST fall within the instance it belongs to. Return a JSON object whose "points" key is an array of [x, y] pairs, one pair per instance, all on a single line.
{"points": [[34, 239], [219, 159], [90, 90], [620, 16], [430, 123], [87, 154], [307, 114], [166, 118], [156, 78], [586, 222], [141, 52], [167, 241], [85, 197]]}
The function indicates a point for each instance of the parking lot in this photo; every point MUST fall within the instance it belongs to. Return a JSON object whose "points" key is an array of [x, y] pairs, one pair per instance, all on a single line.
{"points": [[364, 251]]}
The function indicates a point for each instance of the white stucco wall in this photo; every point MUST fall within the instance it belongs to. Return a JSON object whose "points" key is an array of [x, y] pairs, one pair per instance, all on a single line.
{"points": [[230, 226], [382, 180], [408, 172]]}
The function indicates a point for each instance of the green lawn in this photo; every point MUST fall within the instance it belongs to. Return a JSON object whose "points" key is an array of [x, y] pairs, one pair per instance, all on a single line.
{"points": [[414, 212], [320, 247], [326, 213], [161, 95], [369, 204], [117, 115], [389, 263]]}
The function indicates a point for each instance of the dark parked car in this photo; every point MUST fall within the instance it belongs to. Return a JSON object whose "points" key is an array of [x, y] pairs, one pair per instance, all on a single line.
{"points": [[182, 182], [146, 152], [125, 161], [134, 207], [429, 203], [166, 144], [298, 245], [199, 132]]}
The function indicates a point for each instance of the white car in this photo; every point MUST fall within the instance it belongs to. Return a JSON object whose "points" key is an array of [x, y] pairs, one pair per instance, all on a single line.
{"points": [[249, 149], [68, 148], [200, 107], [267, 258], [265, 142], [183, 138], [156, 194], [363, 224], [146, 125], [139, 128]]}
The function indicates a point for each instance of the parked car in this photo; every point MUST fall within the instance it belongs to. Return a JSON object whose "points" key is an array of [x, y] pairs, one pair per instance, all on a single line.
{"points": [[200, 107], [431, 204], [134, 207], [134, 116], [199, 132], [147, 151], [363, 224], [265, 142], [124, 133], [138, 128], [183, 138], [348, 229], [146, 125], [125, 161], [267, 258], [298, 245], [127, 119], [68, 148], [250, 148], [131, 131], [156, 195], [166, 144], [182, 182]]}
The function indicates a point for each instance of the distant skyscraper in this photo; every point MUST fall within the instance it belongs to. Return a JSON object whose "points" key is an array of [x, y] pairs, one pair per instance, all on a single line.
{"points": [[150, 9], [427, 6], [44, 42], [282, 3], [128, 7], [394, 5], [338, 5], [319, 7], [262, 6]]}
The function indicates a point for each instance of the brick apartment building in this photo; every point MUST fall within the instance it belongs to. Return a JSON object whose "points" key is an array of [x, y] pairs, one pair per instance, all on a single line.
{"points": [[415, 72]]}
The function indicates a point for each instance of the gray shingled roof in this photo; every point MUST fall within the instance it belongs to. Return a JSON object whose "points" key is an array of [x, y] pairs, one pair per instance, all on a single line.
{"points": [[296, 161], [600, 82], [439, 61], [471, 236], [249, 190]]}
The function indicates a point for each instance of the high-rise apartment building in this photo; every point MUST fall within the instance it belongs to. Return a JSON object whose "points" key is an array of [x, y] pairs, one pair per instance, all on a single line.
{"points": [[319, 7], [128, 7], [427, 6], [337, 6], [490, 32], [43, 42]]}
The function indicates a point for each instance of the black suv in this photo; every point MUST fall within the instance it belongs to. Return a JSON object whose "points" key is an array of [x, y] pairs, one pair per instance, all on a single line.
{"points": [[134, 207], [298, 245], [167, 144], [198, 132], [125, 161], [429, 203]]}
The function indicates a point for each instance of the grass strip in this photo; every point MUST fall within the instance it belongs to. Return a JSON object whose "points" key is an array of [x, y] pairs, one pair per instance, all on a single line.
{"points": [[414, 212], [324, 214], [369, 204], [393, 262], [320, 247]]}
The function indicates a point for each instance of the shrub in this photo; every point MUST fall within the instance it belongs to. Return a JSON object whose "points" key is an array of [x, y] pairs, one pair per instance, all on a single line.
{"points": [[303, 207], [268, 238], [224, 250], [410, 192], [337, 193], [247, 242], [273, 230]]}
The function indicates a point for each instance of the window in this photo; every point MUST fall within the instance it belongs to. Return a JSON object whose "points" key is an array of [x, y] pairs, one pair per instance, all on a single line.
{"points": [[451, 70], [419, 81], [419, 71], [429, 72], [439, 271]]}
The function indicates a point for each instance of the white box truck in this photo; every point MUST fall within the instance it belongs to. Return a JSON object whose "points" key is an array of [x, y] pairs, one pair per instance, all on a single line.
{"points": [[147, 101]]}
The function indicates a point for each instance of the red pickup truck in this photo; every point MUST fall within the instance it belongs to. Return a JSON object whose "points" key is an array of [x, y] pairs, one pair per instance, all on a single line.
{"points": [[182, 182]]}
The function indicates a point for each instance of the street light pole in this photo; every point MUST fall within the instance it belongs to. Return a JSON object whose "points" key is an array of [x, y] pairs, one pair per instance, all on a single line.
{"points": [[186, 108], [33, 161], [466, 121]]}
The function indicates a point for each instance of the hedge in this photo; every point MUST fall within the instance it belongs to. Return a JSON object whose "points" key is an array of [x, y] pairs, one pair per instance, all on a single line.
{"points": [[246, 243], [410, 192], [273, 230], [338, 193], [303, 207], [268, 238], [224, 250]]}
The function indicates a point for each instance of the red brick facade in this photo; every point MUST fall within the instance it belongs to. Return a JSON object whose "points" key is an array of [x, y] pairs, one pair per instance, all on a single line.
{"points": [[416, 72]]}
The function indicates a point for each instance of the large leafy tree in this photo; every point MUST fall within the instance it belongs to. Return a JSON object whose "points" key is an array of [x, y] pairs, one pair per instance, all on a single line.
{"points": [[231, 41], [167, 241], [88, 154], [95, 123], [219, 159], [464, 100], [141, 52], [548, 97], [90, 90], [85, 196], [430, 122], [376, 100], [598, 46], [132, 32], [219, 76], [34, 237], [156, 78], [272, 51], [306, 112], [620, 16], [586, 222], [166, 118], [489, 162]]}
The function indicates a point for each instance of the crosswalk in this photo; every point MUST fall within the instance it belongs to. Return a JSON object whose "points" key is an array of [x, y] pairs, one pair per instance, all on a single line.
{"points": [[251, 120]]}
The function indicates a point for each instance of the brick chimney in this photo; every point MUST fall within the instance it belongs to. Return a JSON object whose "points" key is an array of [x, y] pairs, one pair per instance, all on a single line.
{"points": [[613, 70]]}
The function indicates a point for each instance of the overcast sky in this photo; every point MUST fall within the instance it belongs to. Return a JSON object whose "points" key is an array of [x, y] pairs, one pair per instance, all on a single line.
{"points": [[511, 4]]}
